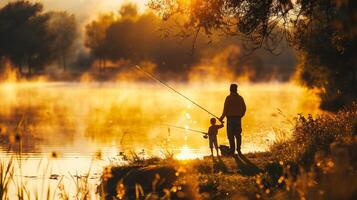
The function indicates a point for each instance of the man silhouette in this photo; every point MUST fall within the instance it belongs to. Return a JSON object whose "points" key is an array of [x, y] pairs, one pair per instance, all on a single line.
{"points": [[234, 109]]}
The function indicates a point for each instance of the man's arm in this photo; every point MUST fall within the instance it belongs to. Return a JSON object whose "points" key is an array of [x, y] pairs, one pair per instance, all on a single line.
{"points": [[244, 107], [224, 113]]}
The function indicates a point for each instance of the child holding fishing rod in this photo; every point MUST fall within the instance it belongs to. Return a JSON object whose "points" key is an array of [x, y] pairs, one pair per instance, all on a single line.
{"points": [[212, 135]]}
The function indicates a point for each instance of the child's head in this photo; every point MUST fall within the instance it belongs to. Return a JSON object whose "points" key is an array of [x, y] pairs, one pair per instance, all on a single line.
{"points": [[213, 121]]}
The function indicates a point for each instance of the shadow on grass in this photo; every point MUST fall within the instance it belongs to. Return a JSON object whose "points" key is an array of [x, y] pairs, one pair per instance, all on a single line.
{"points": [[138, 182], [219, 166], [245, 166]]}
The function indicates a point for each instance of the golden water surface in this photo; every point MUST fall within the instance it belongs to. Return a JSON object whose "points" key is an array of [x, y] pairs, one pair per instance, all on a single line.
{"points": [[76, 121]]}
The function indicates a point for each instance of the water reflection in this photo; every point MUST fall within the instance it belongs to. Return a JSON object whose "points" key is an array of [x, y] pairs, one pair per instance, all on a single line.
{"points": [[63, 126], [130, 116]]}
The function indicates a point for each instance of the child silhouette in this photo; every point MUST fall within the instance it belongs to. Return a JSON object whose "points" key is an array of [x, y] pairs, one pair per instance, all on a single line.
{"points": [[212, 135]]}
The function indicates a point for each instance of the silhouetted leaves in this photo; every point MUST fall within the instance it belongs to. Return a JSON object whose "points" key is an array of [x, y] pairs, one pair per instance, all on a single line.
{"points": [[323, 31]]}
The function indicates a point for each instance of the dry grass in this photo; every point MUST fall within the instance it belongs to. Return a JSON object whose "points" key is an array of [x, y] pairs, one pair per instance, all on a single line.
{"points": [[318, 162], [315, 135]]}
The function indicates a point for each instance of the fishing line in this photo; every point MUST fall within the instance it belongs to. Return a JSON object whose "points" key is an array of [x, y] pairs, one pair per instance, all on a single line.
{"points": [[184, 128], [205, 135], [173, 89]]}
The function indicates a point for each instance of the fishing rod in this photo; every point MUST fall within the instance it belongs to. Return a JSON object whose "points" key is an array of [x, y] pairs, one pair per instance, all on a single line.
{"points": [[205, 135], [187, 129], [173, 89]]}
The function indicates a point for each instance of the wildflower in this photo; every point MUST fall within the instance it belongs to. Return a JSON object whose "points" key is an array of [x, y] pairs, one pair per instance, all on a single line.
{"points": [[120, 190], [167, 194], [155, 182], [281, 179], [139, 192], [107, 174], [258, 180], [174, 189], [330, 164]]}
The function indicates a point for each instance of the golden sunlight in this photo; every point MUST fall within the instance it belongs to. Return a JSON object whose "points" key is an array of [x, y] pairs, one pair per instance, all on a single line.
{"points": [[177, 99], [186, 153]]}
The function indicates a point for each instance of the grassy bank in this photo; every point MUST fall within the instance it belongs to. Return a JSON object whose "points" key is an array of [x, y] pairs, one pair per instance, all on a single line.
{"points": [[319, 161]]}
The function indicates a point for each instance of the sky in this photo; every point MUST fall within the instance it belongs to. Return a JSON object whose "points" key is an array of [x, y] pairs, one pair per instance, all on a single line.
{"points": [[85, 10]]}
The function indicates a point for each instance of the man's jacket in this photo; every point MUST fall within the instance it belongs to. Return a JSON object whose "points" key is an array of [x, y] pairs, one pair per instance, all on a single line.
{"points": [[234, 106]]}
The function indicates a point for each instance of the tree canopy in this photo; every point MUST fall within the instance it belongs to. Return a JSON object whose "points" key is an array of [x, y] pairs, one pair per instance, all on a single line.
{"points": [[32, 38], [323, 32], [135, 37]]}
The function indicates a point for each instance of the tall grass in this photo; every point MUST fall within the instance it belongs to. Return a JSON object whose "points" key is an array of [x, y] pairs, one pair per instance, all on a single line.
{"points": [[318, 162], [6, 172], [13, 186], [312, 135]]}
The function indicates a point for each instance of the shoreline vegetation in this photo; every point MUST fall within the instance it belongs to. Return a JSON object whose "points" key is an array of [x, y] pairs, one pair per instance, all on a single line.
{"points": [[319, 161]]}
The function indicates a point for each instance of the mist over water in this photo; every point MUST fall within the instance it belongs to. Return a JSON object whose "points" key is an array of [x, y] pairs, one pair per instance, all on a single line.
{"points": [[76, 121], [82, 118]]}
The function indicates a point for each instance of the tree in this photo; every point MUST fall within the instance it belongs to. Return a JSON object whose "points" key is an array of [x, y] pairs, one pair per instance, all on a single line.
{"points": [[32, 38], [63, 29], [327, 47], [319, 29], [136, 37], [21, 30], [96, 37]]}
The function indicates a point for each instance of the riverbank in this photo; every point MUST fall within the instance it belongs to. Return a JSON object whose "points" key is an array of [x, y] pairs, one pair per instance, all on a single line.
{"points": [[318, 162], [208, 178]]}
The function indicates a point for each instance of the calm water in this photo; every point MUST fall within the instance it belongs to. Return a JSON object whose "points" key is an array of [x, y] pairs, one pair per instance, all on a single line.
{"points": [[77, 122]]}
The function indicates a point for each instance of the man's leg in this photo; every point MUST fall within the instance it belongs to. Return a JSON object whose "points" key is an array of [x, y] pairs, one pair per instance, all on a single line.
{"points": [[230, 135], [239, 143], [239, 136]]}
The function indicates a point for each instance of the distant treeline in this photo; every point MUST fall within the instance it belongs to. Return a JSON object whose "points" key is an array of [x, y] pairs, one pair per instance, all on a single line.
{"points": [[139, 37], [39, 42], [33, 39]]}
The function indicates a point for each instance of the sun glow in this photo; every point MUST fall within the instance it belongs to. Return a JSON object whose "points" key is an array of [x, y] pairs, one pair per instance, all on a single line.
{"points": [[186, 153]]}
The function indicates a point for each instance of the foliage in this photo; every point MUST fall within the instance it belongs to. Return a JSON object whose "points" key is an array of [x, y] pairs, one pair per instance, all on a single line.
{"points": [[118, 40], [322, 31], [95, 37], [327, 44], [32, 38], [317, 162], [63, 28], [315, 135], [135, 37], [6, 171]]}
